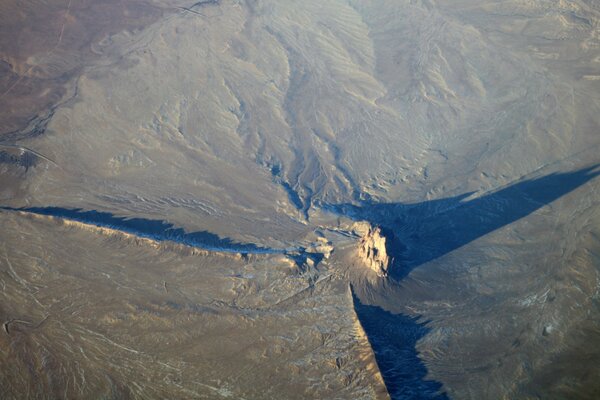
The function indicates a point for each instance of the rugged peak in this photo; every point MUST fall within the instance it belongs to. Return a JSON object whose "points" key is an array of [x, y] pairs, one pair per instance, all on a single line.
{"points": [[372, 248]]}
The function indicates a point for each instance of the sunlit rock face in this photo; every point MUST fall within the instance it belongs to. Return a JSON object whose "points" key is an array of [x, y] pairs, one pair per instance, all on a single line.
{"points": [[372, 248]]}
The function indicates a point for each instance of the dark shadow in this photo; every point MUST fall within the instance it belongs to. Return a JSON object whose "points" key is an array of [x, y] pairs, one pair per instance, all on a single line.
{"points": [[22, 159], [393, 338], [152, 229], [425, 231]]}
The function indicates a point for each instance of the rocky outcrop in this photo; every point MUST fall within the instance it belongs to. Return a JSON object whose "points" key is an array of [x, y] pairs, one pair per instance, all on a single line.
{"points": [[372, 248], [321, 246]]}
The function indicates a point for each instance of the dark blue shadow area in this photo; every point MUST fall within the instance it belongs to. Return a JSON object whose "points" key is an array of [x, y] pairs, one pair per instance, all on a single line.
{"points": [[425, 231], [152, 229], [393, 338]]}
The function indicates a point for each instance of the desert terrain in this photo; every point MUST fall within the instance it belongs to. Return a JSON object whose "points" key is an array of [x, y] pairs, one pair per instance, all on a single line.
{"points": [[273, 199]]}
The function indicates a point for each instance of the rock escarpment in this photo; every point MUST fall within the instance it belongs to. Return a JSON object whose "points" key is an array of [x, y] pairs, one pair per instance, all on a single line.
{"points": [[372, 248]]}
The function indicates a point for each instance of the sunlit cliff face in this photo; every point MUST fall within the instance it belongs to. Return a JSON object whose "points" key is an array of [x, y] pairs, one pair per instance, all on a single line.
{"points": [[372, 250]]}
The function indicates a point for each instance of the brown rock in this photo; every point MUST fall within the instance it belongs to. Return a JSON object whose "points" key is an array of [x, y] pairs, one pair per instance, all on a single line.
{"points": [[372, 250]]}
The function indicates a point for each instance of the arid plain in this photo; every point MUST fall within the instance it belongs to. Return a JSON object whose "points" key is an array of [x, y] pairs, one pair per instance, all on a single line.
{"points": [[276, 199]]}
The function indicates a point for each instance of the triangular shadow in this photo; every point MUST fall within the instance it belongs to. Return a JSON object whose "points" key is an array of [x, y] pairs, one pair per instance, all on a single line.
{"points": [[424, 231]]}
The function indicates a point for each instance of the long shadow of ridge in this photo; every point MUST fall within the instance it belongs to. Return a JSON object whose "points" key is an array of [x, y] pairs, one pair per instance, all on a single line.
{"points": [[153, 229], [425, 231], [393, 338]]}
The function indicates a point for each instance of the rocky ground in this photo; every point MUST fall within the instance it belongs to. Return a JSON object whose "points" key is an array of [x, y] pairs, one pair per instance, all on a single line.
{"points": [[316, 199]]}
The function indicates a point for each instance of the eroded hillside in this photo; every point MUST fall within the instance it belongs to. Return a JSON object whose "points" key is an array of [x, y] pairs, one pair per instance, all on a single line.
{"points": [[181, 184]]}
